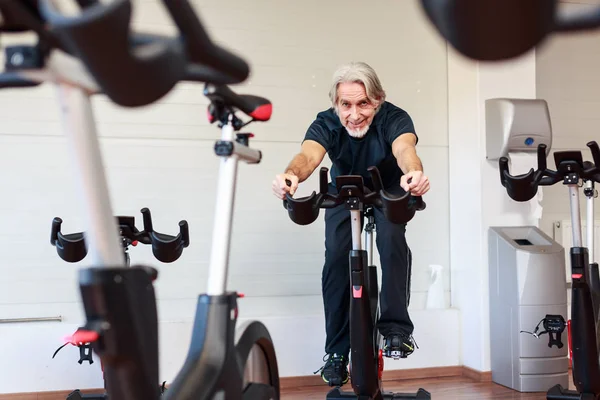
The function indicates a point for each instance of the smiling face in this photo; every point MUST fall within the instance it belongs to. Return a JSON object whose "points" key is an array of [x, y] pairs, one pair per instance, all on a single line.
{"points": [[355, 109]]}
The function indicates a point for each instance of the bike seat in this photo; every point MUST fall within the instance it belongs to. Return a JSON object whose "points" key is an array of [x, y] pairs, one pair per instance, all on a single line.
{"points": [[256, 107]]}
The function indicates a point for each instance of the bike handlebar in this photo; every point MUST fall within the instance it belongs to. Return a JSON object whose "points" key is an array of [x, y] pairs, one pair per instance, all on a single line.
{"points": [[476, 32], [570, 167], [166, 248], [142, 67], [351, 190]]}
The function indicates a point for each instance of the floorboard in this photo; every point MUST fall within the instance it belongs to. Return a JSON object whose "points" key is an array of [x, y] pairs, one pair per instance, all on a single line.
{"points": [[455, 388]]}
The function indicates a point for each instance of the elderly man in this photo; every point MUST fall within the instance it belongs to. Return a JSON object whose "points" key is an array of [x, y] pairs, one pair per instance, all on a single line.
{"points": [[360, 130]]}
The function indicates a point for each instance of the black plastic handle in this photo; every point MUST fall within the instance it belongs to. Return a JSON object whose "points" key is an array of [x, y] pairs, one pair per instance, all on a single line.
{"points": [[166, 248], [137, 74], [304, 210], [23, 16], [521, 187], [503, 168], [593, 146], [86, 3], [592, 169], [397, 209], [13, 80], [71, 247], [582, 21], [143, 68], [479, 28], [147, 218], [200, 48], [323, 183], [541, 157]]}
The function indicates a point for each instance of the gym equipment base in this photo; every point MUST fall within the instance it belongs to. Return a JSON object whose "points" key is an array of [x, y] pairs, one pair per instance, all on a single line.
{"points": [[337, 393], [77, 395], [559, 393]]}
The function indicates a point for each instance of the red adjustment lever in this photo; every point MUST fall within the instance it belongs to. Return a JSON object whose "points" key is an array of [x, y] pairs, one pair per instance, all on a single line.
{"points": [[134, 243], [82, 336], [241, 295]]}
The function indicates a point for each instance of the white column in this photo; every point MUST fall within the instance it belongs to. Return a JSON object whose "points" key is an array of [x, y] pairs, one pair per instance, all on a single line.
{"points": [[477, 199]]}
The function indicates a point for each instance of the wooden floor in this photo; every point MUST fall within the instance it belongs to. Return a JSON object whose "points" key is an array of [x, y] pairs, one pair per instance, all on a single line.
{"points": [[455, 388]]}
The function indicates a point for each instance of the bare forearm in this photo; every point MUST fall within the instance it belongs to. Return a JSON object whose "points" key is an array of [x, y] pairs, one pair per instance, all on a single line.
{"points": [[409, 161], [300, 166]]}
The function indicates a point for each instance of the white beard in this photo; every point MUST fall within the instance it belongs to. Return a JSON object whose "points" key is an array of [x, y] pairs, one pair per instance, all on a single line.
{"points": [[358, 133]]}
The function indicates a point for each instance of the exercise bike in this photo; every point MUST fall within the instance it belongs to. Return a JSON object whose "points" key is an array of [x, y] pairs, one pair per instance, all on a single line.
{"points": [[72, 248], [119, 301], [571, 170], [366, 353]]}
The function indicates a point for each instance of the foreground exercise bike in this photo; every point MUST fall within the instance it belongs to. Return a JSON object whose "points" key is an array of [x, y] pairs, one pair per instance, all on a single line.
{"points": [[72, 248], [479, 29], [571, 170], [119, 301], [366, 354]]}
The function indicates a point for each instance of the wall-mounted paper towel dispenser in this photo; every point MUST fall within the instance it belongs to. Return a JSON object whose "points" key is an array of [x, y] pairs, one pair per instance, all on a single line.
{"points": [[516, 125]]}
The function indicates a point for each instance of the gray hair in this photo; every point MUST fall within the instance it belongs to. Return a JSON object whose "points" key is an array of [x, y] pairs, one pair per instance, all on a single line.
{"points": [[358, 72]]}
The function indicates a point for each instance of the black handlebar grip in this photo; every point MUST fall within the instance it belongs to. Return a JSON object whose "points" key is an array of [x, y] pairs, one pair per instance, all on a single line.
{"points": [[323, 181], [503, 165], [147, 219], [56, 224], [71, 247], [167, 248], [288, 182], [376, 178], [184, 232], [593, 145], [564, 22], [86, 3], [102, 33], [397, 210], [13, 80], [200, 48], [420, 204], [541, 157], [303, 211]]}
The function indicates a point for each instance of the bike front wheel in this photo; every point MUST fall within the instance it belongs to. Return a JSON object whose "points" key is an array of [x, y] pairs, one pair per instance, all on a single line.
{"points": [[256, 353]]}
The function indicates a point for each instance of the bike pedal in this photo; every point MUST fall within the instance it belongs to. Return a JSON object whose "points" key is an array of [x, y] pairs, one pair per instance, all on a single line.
{"points": [[395, 354]]}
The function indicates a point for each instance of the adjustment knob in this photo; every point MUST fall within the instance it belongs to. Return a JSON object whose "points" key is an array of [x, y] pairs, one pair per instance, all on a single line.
{"points": [[244, 138]]}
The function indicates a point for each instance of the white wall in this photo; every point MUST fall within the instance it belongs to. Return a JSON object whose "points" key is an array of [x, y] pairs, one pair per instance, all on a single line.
{"points": [[160, 156], [477, 199]]}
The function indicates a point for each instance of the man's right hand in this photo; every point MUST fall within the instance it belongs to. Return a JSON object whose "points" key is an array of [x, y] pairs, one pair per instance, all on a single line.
{"points": [[280, 187]]}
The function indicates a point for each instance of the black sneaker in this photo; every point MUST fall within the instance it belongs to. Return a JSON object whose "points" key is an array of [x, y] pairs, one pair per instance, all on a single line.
{"points": [[335, 370], [399, 346]]}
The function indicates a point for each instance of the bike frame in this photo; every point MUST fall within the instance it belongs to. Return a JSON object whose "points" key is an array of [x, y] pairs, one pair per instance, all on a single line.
{"points": [[585, 295], [74, 87], [366, 360], [590, 193], [213, 357], [214, 329], [219, 260]]}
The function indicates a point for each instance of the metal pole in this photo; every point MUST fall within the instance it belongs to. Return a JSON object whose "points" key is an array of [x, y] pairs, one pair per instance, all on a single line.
{"points": [[21, 320], [575, 215], [355, 215]]}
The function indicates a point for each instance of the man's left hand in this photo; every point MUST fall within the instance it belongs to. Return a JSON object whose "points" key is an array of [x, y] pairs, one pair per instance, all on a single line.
{"points": [[419, 183]]}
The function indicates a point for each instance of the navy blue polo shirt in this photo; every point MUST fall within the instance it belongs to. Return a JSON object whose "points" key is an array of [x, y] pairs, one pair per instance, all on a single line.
{"points": [[352, 156]]}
